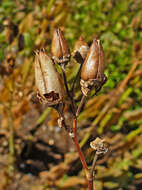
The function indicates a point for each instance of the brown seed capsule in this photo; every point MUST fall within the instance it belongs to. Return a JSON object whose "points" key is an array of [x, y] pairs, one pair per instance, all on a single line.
{"points": [[80, 50], [99, 145], [48, 82], [59, 48], [92, 72]]}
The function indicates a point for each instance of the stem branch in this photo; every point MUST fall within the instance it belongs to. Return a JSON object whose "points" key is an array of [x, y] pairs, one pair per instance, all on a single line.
{"points": [[81, 154], [67, 89], [92, 169], [80, 105], [76, 77]]}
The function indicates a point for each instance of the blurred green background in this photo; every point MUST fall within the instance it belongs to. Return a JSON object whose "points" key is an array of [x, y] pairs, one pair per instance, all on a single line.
{"points": [[34, 152]]}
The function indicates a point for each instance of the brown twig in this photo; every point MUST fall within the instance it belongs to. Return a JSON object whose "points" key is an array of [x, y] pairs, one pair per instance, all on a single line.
{"points": [[76, 77], [67, 89], [92, 169], [80, 105], [65, 80]]}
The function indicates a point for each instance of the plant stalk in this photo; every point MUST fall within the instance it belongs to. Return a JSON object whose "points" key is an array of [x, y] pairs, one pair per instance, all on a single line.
{"points": [[80, 105], [67, 90], [76, 77], [92, 169], [81, 154]]}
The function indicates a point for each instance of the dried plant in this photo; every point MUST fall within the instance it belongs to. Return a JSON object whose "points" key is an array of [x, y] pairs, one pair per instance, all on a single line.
{"points": [[48, 81], [80, 50], [59, 48], [50, 88], [92, 73]]}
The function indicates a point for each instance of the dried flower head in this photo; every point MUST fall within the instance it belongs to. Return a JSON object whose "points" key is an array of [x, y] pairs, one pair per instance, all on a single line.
{"points": [[80, 50], [48, 81], [59, 48], [99, 145], [92, 72]]}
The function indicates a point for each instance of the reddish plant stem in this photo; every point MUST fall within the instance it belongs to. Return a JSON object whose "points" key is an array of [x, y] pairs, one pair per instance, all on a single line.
{"points": [[81, 155]]}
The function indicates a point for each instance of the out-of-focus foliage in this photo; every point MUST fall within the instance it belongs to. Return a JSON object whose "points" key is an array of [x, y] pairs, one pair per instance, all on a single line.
{"points": [[29, 131]]}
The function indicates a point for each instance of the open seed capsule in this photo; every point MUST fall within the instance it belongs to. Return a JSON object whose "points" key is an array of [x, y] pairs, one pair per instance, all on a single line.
{"points": [[48, 82]]}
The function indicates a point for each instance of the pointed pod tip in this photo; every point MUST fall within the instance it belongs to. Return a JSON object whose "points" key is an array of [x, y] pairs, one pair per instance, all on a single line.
{"points": [[81, 38], [80, 50], [42, 50], [36, 52], [55, 31]]}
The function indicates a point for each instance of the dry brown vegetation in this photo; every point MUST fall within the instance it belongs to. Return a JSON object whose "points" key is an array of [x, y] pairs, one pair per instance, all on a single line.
{"points": [[34, 152]]}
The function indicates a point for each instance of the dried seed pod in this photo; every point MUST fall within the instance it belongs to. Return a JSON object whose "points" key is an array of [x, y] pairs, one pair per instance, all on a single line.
{"points": [[99, 145], [80, 50], [48, 82], [92, 72], [59, 48]]}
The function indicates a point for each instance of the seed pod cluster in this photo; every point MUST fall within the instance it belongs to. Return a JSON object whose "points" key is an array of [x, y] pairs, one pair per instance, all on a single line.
{"points": [[92, 72], [59, 48], [48, 82]]}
